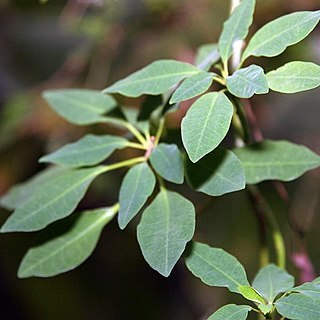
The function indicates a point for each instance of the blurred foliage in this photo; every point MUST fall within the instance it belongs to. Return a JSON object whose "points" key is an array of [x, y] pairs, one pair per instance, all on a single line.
{"points": [[91, 43]]}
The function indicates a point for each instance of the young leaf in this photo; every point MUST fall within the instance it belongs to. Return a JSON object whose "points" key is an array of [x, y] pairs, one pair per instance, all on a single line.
{"points": [[65, 245], [193, 86], [309, 289], [166, 159], [276, 160], [206, 56], [217, 173], [80, 107], [156, 78], [236, 27], [215, 267], [136, 188], [294, 77], [89, 150], [55, 200], [251, 294], [165, 228], [299, 307], [231, 312], [273, 38], [21, 193], [271, 280], [246, 82], [206, 124]]}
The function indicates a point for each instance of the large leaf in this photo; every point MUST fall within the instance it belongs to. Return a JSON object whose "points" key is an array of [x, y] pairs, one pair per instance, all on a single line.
{"points": [[135, 190], [216, 267], [246, 82], [193, 86], [206, 56], [299, 307], [231, 312], [273, 38], [80, 107], [309, 289], [165, 228], [271, 280], [167, 160], [316, 281], [55, 200], [21, 193], [217, 173], [87, 151], [276, 160], [156, 78], [65, 245], [206, 124], [236, 27], [294, 77]]}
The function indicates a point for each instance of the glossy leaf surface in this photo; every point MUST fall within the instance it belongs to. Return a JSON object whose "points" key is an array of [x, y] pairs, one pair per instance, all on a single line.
{"points": [[165, 228], [136, 188], [231, 312], [206, 56], [206, 124], [276, 160], [215, 267]]}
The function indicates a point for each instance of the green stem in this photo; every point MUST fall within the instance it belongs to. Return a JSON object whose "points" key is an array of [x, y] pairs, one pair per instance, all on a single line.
{"points": [[159, 131], [125, 163]]}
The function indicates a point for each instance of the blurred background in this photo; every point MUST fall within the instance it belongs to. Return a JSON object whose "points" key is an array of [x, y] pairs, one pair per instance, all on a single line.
{"points": [[90, 44]]}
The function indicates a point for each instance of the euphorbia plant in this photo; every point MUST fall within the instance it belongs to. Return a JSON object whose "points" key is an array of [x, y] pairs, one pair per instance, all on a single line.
{"points": [[168, 218]]}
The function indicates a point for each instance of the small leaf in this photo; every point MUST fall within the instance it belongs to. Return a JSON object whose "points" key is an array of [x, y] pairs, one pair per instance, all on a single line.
{"points": [[89, 150], [299, 307], [236, 27], [21, 193], [216, 267], [246, 82], [136, 188], [251, 294], [231, 312], [273, 38], [217, 173], [156, 78], [206, 124], [166, 159], [193, 86], [55, 200], [276, 160], [309, 289], [265, 308], [80, 106], [271, 280], [165, 228], [206, 56], [65, 245], [294, 77]]}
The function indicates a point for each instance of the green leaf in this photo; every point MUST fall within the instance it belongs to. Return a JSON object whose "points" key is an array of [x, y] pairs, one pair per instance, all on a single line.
{"points": [[206, 56], [89, 150], [165, 228], [236, 27], [217, 173], [65, 245], [251, 294], [166, 159], [156, 78], [55, 200], [316, 281], [80, 106], [193, 86], [206, 124], [21, 193], [273, 38], [276, 160], [231, 312], [299, 307], [216, 267], [246, 82], [294, 77], [271, 280], [136, 188], [309, 289]]}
